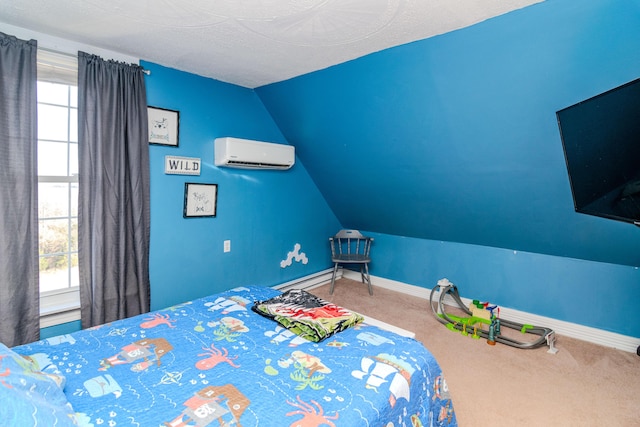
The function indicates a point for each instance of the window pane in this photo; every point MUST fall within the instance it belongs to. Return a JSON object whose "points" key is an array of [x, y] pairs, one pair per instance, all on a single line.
{"points": [[53, 93], [53, 199], [74, 235], [54, 272], [54, 236], [74, 200], [73, 125], [52, 158], [53, 122], [73, 159], [75, 275], [73, 96]]}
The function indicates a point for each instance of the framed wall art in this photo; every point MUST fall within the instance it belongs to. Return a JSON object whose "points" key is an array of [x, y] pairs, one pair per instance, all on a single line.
{"points": [[163, 126], [200, 200]]}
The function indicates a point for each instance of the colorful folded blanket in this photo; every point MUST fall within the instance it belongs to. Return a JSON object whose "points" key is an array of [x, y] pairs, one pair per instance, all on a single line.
{"points": [[307, 315]]}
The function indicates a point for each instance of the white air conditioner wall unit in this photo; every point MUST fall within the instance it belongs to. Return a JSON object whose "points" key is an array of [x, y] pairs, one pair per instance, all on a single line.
{"points": [[248, 154]]}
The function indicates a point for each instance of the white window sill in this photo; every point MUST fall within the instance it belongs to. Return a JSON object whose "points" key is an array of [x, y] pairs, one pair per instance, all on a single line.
{"points": [[59, 307]]}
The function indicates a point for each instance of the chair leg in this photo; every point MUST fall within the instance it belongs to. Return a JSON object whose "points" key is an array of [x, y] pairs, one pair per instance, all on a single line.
{"points": [[333, 278], [366, 267]]}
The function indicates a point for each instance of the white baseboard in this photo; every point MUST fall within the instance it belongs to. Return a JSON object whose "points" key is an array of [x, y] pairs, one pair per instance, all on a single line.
{"points": [[568, 329], [560, 327], [309, 282]]}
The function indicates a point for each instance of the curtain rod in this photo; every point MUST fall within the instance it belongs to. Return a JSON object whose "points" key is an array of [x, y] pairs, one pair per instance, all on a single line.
{"points": [[46, 49]]}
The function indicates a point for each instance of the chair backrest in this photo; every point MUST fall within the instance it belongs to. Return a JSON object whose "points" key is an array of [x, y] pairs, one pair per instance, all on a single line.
{"points": [[350, 242]]}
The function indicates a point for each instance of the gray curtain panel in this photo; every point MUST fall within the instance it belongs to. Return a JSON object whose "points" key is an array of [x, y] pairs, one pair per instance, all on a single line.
{"points": [[19, 274], [113, 211]]}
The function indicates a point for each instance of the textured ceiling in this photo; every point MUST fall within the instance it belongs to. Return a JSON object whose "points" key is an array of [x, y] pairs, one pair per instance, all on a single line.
{"points": [[249, 42]]}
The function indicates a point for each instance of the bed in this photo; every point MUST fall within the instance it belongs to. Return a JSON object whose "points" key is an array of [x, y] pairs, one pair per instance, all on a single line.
{"points": [[215, 361]]}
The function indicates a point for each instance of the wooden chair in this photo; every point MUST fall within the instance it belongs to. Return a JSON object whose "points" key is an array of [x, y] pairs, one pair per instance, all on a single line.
{"points": [[351, 247]]}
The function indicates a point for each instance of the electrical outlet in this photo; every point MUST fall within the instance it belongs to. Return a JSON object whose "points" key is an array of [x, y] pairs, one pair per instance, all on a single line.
{"points": [[227, 245]]}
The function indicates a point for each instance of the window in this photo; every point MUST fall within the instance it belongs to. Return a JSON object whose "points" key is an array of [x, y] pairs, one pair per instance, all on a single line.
{"points": [[58, 184]]}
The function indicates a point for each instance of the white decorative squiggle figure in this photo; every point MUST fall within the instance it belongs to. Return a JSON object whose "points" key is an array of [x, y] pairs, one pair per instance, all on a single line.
{"points": [[295, 254]]}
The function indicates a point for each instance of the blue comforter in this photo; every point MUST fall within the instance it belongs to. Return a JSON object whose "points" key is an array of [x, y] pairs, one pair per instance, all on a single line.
{"points": [[214, 362]]}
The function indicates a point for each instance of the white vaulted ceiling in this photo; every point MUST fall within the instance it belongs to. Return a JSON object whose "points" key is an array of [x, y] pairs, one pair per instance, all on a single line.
{"points": [[249, 42]]}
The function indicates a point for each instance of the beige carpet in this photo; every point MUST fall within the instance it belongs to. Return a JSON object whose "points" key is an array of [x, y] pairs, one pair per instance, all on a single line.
{"points": [[582, 385]]}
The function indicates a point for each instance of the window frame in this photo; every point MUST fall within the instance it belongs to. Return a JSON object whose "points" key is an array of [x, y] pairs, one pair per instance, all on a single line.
{"points": [[61, 305]]}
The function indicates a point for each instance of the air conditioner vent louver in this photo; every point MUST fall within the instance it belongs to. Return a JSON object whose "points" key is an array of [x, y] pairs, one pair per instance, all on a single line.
{"points": [[247, 165], [247, 154]]}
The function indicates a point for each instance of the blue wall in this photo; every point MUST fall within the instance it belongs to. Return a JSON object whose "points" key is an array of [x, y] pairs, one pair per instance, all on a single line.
{"points": [[459, 131], [599, 295], [454, 165], [452, 143], [61, 329], [263, 213]]}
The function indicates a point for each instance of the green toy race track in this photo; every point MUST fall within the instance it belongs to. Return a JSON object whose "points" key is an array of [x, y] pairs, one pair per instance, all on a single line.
{"points": [[475, 324]]}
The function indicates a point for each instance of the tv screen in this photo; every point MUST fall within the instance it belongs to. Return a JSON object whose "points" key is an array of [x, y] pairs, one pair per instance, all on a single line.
{"points": [[601, 141]]}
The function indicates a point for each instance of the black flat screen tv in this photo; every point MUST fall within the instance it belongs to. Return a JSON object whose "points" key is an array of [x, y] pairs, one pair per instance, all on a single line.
{"points": [[601, 141]]}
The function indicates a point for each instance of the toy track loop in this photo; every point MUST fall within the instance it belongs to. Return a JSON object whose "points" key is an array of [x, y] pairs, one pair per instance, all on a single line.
{"points": [[547, 335]]}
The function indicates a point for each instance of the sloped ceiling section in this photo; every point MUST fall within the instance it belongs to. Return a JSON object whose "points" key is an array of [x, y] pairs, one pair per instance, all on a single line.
{"points": [[249, 42], [455, 137]]}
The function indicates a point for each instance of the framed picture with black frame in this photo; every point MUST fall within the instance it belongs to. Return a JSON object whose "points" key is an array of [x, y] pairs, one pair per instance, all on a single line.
{"points": [[164, 126], [200, 200]]}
